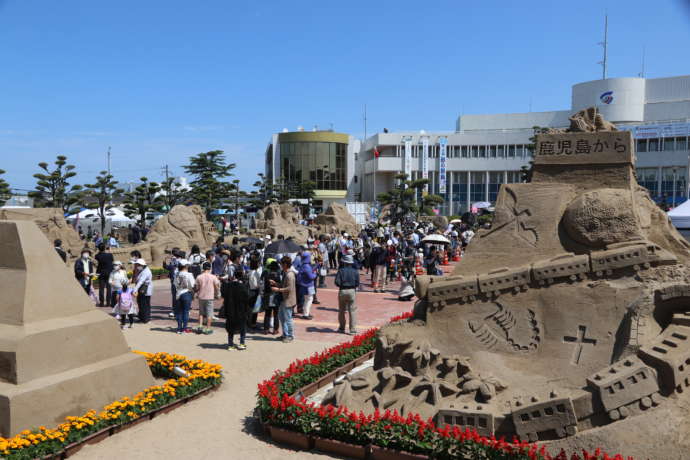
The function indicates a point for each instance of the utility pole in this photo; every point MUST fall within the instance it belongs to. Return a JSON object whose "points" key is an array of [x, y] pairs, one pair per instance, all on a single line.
{"points": [[605, 44], [166, 172], [108, 156]]}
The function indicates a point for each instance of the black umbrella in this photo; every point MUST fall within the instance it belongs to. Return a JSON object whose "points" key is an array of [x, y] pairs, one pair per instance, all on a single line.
{"points": [[250, 240], [282, 247]]}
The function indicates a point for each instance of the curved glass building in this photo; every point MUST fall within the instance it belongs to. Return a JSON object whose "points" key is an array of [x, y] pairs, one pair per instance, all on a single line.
{"points": [[325, 158]]}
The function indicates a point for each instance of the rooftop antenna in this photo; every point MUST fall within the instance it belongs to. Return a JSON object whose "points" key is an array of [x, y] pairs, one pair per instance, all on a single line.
{"points": [[605, 44], [641, 74], [365, 121]]}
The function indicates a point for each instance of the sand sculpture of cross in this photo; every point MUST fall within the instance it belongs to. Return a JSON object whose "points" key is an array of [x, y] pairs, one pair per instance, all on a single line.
{"points": [[579, 341]]}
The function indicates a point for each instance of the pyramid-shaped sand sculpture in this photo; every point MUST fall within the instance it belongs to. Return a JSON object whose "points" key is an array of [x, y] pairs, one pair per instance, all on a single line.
{"points": [[59, 356], [568, 321]]}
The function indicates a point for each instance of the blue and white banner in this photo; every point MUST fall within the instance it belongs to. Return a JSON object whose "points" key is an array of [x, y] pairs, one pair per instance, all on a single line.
{"points": [[425, 161], [443, 142], [407, 166], [658, 130]]}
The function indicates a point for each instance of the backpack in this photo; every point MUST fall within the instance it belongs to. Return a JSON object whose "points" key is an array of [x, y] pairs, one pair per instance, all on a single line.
{"points": [[126, 301]]}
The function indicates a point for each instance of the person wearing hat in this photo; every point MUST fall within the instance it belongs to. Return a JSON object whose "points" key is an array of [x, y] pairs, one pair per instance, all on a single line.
{"points": [[116, 279], [144, 289], [57, 244], [184, 291], [84, 270], [347, 280]]}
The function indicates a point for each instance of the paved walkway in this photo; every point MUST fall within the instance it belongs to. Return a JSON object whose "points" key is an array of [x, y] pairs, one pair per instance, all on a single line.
{"points": [[221, 424], [373, 309]]}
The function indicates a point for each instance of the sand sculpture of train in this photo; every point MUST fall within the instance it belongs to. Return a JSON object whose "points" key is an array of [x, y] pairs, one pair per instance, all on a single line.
{"points": [[567, 322]]}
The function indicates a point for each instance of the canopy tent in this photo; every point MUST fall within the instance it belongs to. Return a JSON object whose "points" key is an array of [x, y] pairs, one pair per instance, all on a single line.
{"points": [[113, 215], [680, 215]]}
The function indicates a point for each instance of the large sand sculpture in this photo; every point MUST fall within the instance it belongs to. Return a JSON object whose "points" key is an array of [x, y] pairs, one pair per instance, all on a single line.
{"points": [[52, 223], [336, 219], [58, 355], [182, 227], [281, 219], [568, 321]]}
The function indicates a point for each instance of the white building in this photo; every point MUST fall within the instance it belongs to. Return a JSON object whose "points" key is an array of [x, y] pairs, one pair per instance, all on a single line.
{"points": [[488, 150]]}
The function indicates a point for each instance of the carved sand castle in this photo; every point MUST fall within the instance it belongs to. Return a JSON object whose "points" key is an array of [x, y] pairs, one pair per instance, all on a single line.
{"points": [[568, 321], [59, 356]]}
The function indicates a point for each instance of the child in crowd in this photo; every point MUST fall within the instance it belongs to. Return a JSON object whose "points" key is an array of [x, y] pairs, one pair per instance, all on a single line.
{"points": [[126, 307]]}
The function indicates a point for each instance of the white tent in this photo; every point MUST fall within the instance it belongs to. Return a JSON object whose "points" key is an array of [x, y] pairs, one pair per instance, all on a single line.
{"points": [[680, 215], [114, 215]]}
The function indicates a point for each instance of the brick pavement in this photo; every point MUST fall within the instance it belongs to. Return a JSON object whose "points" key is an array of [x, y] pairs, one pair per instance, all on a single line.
{"points": [[373, 309]]}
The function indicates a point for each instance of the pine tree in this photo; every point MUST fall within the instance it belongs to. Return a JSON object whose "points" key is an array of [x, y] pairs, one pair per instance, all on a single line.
{"points": [[172, 193], [52, 187], [209, 169], [403, 199], [143, 199], [5, 192], [101, 194]]}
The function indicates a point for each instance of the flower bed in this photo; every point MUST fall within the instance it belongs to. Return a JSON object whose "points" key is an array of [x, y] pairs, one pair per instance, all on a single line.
{"points": [[380, 433], [92, 426]]}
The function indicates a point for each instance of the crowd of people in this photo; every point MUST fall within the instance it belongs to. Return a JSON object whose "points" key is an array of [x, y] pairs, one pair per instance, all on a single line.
{"points": [[250, 277]]}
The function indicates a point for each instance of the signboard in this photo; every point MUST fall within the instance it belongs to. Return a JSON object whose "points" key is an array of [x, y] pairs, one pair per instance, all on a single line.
{"points": [[658, 130], [605, 147], [407, 169], [443, 142], [425, 161]]}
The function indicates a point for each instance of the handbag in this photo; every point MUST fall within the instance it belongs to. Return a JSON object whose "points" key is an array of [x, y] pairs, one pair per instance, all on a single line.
{"points": [[257, 304], [323, 271]]}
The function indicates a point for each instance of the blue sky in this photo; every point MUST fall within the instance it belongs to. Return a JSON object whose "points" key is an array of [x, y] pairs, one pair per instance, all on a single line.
{"points": [[159, 80]]}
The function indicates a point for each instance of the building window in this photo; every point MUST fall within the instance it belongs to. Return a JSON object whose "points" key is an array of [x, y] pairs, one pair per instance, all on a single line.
{"points": [[681, 143], [474, 150], [647, 177], [492, 151], [465, 153], [642, 145], [653, 145], [511, 151], [477, 186], [482, 151], [669, 144], [514, 177], [459, 192], [495, 181], [500, 151], [673, 184], [323, 163]]}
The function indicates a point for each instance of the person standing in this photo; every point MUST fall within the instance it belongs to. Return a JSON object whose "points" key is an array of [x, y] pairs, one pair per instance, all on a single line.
{"points": [[323, 268], [184, 288], [58, 248], [196, 260], [289, 294], [208, 289], [347, 279], [378, 263], [84, 270], [254, 281], [125, 306], [143, 289], [305, 280], [170, 263], [117, 279], [237, 309], [271, 300], [105, 266]]}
